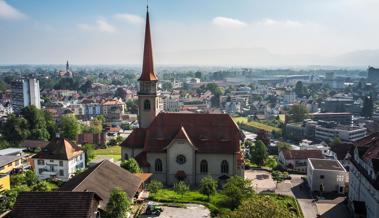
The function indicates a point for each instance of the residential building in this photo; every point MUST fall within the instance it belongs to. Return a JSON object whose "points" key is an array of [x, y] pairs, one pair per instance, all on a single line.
{"points": [[91, 138], [113, 110], [180, 146], [297, 160], [364, 177], [326, 176], [25, 92], [7, 165], [373, 75], [59, 159], [56, 204], [102, 178]]}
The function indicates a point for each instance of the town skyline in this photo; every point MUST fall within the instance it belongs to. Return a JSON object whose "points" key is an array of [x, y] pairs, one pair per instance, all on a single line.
{"points": [[191, 32]]}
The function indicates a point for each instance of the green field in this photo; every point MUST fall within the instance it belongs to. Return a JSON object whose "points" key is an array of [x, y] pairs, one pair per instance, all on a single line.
{"points": [[256, 124], [112, 152]]}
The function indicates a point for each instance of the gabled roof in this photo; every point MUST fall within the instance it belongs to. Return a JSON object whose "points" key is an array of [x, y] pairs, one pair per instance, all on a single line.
{"points": [[59, 149], [148, 73], [55, 204], [210, 133], [101, 179], [302, 154], [182, 135]]}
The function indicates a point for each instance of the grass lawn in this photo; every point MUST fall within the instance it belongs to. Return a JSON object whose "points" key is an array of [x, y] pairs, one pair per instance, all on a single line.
{"points": [[256, 124], [112, 152]]}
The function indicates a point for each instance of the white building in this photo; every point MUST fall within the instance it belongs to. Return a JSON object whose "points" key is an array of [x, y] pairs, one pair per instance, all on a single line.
{"points": [[25, 92], [326, 175], [297, 160], [59, 159], [345, 133], [364, 178]]}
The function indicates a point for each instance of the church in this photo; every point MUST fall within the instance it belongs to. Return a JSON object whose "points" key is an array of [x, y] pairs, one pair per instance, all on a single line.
{"points": [[180, 146]]}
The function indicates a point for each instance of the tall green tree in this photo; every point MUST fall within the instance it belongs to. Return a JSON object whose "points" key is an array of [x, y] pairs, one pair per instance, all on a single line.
{"points": [[208, 186], [298, 113], [258, 153], [131, 165], [89, 150], [237, 189], [118, 204], [15, 129], [36, 122], [69, 126]]}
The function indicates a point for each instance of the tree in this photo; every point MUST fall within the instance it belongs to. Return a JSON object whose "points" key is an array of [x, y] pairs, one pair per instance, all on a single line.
{"points": [[208, 186], [51, 125], [259, 207], [118, 204], [36, 122], [120, 93], [86, 87], [167, 86], [41, 186], [336, 141], [181, 188], [301, 90], [258, 153], [298, 113], [132, 106], [30, 178], [15, 129], [89, 150], [154, 186], [262, 135], [131, 165], [96, 124], [368, 107], [282, 146], [69, 126], [237, 189], [198, 74]]}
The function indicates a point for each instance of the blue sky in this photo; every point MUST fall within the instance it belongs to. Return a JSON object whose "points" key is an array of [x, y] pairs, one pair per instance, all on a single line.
{"points": [[214, 32]]}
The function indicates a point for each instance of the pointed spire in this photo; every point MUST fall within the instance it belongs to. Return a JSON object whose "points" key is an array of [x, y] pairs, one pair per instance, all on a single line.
{"points": [[67, 66], [148, 73]]}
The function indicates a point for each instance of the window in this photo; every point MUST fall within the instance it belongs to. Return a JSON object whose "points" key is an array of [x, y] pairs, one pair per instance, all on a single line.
{"points": [[40, 170], [158, 165], [203, 166], [40, 162], [224, 167], [322, 176], [180, 159], [146, 105], [61, 173], [61, 163], [51, 160], [126, 156]]}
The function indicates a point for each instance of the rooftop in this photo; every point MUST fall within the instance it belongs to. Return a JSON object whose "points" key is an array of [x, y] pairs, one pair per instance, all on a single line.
{"points": [[10, 151], [4, 160], [324, 164]]}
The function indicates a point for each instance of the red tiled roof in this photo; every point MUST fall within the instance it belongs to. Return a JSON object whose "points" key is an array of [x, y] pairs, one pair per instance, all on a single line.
{"points": [[302, 154], [210, 133], [59, 149], [142, 160]]}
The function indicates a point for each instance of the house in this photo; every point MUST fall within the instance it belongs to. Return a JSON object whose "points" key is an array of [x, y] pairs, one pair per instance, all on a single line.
{"points": [[102, 178], [326, 175], [56, 204], [180, 146], [364, 177], [91, 138], [297, 160], [7, 165], [59, 159]]}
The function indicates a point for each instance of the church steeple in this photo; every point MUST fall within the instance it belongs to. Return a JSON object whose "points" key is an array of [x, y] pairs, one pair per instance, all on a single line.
{"points": [[148, 73], [148, 100], [67, 66]]}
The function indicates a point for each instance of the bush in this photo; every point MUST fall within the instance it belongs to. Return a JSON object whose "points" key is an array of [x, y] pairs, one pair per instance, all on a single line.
{"points": [[131, 165], [208, 186], [154, 186], [181, 188]]}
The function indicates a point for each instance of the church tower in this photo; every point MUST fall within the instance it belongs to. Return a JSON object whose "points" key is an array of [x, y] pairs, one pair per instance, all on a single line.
{"points": [[148, 100]]}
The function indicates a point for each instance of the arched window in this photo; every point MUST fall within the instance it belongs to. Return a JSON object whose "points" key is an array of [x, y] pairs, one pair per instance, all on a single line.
{"points": [[146, 105], [203, 166], [224, 167], [126, 157], [158, 165]]}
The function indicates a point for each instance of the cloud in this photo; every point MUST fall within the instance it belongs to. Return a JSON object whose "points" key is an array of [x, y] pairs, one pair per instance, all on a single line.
{"points": [[130, 18], [279, 23], [9, 12], [101, 25], [228, 22]]}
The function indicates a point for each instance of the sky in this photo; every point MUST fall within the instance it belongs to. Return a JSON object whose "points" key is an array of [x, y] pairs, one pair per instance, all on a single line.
{"points": [[191, 32]]}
